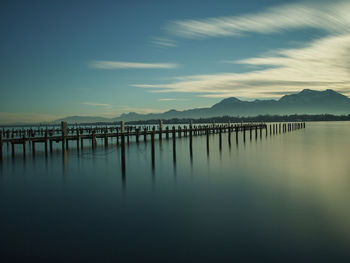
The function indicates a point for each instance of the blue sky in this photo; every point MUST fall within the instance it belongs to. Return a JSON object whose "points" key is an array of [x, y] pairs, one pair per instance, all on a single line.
{"points": [[103, 58]]}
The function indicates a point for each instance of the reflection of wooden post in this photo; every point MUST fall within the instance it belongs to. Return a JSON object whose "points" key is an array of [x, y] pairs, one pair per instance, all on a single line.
{"points": [[24, 144], [93, 139], [167, 133], [46, 150], [174, 144], [122, 128], [106, 137], [160, 130], [13, 149], [137, 135], [64, 133], [145, 134], [152, 147], [244, 133], [207, 131], [0, 146], [78, 137]]}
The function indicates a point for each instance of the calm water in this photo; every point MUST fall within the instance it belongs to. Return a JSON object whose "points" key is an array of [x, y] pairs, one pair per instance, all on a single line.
{"points": [[280, 198]]}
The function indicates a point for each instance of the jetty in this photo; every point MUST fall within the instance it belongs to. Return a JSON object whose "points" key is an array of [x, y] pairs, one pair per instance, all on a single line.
{"points": [[84, 135]]}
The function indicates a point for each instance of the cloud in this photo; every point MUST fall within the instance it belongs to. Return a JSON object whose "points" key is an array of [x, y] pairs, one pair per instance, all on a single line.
{"points": [[166, 99], [322, 64], [102, 64], [172, 99], [332, 17], [163, 42], [96, 104]]}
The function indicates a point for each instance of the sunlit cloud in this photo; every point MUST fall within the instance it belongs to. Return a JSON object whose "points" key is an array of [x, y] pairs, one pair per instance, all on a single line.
{"points": [[163, 42], [323, 64], [173, 99], [96, 104], [331, 17], [102, 64]]}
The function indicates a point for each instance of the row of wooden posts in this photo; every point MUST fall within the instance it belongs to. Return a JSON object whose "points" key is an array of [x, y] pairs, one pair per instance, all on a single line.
{"points": [[124, 134]]}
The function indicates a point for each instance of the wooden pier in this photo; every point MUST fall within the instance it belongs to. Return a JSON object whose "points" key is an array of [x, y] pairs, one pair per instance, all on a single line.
{"points": [[123, 134]]}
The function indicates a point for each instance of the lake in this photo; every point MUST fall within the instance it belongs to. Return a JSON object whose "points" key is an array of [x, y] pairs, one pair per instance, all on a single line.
{"points": [[282, 198]]}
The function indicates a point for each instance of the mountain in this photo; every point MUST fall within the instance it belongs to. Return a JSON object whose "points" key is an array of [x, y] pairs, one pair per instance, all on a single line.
{"points": [[305, 102]]}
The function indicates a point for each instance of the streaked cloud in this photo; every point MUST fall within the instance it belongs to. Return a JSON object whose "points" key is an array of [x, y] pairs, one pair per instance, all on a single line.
{"points": [[323, 64], [96, 104], [163, 42], [332, 16], [103, 64], [172, 99]]}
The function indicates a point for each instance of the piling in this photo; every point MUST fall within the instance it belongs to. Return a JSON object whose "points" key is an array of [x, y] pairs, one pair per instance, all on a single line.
{"points": [[174, 144], [122, 127], [152, 148]]}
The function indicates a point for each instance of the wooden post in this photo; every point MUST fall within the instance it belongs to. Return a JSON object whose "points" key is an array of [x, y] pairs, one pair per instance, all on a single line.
{"points": [[152, 148], [229, 134], [174, 144], [33, 147], [236, 130], [122, 127], [220, 137], [250, 132]]}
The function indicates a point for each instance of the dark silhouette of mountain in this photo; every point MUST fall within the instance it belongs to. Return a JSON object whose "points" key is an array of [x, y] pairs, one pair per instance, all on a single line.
{"points": [[305, 102]]}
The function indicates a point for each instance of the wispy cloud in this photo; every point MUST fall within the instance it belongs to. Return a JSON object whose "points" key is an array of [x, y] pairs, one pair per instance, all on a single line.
{"points": [[97, 104], [102, 64], [323, 64], [173, 99], [331, 17], [320, 64], [163, 42]]}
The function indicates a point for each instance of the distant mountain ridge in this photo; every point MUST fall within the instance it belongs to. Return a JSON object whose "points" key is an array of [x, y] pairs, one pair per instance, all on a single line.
{"points": [[305, 102]]}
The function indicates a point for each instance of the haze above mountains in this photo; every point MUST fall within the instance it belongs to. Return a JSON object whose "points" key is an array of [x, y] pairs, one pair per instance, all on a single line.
{"points": [[305, 102]]}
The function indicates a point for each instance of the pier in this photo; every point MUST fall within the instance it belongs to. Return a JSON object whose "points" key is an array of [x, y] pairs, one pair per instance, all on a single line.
{"points": [[124, 134]]}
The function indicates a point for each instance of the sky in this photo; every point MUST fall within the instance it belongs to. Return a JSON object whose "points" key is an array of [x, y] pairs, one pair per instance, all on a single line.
{"points": [[104, 58]]}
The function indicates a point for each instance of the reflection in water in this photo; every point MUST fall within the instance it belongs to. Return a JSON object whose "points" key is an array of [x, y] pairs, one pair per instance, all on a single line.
{"points": [[251, 194], [65, 162]]}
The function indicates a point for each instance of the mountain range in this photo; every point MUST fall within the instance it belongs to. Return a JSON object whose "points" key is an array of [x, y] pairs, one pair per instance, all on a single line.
{"points": [[305, 102]]}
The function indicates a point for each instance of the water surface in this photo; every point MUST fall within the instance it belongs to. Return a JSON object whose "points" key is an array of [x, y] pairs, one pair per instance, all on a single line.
{"points": [[275, 198]]}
